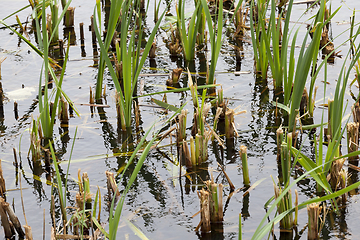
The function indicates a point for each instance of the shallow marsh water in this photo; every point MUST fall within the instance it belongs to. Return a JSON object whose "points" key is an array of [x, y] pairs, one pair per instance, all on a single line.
{"points": [[160, 204]]}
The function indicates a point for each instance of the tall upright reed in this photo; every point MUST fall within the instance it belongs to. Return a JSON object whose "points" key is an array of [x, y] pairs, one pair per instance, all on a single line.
{"points": [[307, 57], [129, 51], [188, 35], [259, 36]]}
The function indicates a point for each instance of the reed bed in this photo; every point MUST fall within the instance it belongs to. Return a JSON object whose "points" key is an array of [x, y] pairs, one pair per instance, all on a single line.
{"points": [[130, 50]]}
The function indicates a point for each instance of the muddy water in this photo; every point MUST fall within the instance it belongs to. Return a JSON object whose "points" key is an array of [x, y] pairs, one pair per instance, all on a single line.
{"points": [[160, 203]]}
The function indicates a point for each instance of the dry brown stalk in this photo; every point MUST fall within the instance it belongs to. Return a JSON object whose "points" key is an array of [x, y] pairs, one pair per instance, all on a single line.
{"points": [[232, 187], [175, 75], [14, 220], [111, 183], [2, 183], [336, 174], [356, 112], [204, 197], [313, 221], [353, 138], [152, 54], [229, 127], [68, 236], [28, 232], [64, 116], [8, 228], [1, 61]]}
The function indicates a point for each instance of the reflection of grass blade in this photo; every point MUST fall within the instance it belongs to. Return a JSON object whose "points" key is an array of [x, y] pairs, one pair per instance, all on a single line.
{"points": [[62, 196], [136, 230], [114, 217], [165, 105]]}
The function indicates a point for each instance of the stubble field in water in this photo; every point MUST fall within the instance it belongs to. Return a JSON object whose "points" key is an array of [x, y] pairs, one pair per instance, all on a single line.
{"points": [[160, 203]]}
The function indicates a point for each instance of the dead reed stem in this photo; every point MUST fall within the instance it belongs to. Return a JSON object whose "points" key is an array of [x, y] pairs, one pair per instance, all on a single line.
{"points": [[152, 53], [14, 220], [313, 221], [28, 232], [229, 127], [2, 183], [352, 138], [336, 176], [111, 183], [16, 112], [8, 228], [175, 75], [1, 61], [204, 197]]}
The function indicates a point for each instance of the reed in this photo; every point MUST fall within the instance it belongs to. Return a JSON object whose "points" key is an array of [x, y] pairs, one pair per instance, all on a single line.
{"points": [[307, 58], [215, 36], [313, 221], [128, 54], [229, 123], [240, 228], [211, 205], [244, 164], [265, 226], [352, 138], [259, 36], [175, 75], [69, 17], [216, 201], [204, 197], [181, 129], [278, 59], [284, 206], [2, 183], [8, 227], [188, 34], [115, 211]]}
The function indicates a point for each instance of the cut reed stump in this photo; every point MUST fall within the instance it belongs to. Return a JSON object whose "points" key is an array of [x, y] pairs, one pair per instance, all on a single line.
{"points": [[216, 202], [2, 183], [181, 127], [352, 139], [336, 176], [204, 197], [1, 102], [111, 184], [356, 112], [16, 111], [82, 40], [245, 166], [69, 17], [1, 61], [152, 53], [313, 221], [229, 123], [211, 206], [63, 115], [8, 227], [12, 217], [175, 75], [28, 232]]}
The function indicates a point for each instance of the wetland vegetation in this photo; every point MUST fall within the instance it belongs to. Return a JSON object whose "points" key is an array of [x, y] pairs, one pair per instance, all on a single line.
{"points": [[204, 120]]}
